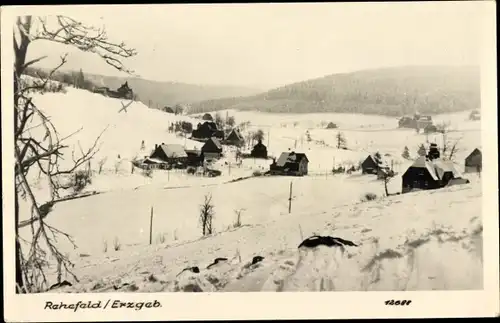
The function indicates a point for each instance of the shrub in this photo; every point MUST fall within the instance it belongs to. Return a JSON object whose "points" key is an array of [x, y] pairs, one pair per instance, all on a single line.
{"points": [[80, 179], [147, 172], [257, 173], [237, 222], [369, 197], [116, 244]]}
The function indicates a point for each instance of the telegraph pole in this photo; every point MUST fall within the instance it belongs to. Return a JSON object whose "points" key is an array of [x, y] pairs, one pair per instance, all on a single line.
{"points": [[290, 199]]}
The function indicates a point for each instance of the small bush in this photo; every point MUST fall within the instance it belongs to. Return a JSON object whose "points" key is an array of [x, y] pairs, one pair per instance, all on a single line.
{"points": [[105, 246], [161, 238], [147, 172], [257, 173], [80, 179], [369, 197], [237, 222], [116, 244]]}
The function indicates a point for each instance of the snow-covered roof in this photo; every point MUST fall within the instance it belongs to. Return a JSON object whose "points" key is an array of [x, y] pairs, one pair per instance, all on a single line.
{"points": [[173, 150]]}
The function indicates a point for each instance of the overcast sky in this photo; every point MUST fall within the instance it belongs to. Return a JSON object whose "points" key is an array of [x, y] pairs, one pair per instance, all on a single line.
{"points": [[267, 45]]}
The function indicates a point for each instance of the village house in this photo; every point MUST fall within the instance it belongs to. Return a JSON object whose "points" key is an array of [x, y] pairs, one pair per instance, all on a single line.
{"points": [[194, 157], [423, 121], [173, 154], [407, 122], [206, 130], [259, 150], [290, 163], [123, 92], [417, 121], [212, 149], [235, 138], [474, 162], [426, 174], [372, 164]]}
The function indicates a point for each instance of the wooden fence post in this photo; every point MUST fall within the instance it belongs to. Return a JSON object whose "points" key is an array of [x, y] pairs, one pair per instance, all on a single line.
{"points": [[151, 227]]}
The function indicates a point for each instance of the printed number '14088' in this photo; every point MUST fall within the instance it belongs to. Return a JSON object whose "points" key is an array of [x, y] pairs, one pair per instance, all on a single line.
{"points": [[398, 302]]}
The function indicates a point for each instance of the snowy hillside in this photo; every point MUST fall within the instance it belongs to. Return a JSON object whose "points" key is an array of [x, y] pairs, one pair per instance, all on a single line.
{"points": [[408, 242], [395, 233]]}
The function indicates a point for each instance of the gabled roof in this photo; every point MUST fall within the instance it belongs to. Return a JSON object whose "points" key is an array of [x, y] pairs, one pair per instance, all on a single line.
{"points": [[422, 162], [235, 132], [383, 161], [173, 150], [443, 166], [476, 151], [290, 157], [215, 141]]}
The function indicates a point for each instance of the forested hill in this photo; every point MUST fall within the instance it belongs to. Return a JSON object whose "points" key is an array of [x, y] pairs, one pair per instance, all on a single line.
{"points": [[387, 91]]}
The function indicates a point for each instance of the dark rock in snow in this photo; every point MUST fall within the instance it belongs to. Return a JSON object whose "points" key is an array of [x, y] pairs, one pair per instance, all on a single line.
{"points": [[194, 269], [216, 261], [61, 284], [257, 259], [315, 241]]}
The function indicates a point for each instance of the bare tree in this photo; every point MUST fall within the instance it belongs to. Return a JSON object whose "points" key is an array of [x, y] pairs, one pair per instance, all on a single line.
{"points": [[406, 153], [449, 147], [45, 152], [231, 121], [219, 121], [206, 215], [341, 141], [100, 164], [258, 135]]}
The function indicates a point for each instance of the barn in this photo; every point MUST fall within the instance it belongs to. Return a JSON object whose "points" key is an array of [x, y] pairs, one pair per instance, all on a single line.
{"points": [[170, 153], [474, 162], [425, 174], [290, 163], [207, 129]]}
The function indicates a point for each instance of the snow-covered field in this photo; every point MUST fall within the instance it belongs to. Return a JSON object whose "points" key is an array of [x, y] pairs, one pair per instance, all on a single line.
{"points": [[407, 242]]}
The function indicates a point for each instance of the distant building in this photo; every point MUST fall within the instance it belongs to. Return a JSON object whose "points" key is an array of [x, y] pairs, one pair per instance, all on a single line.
{"points": [[212, 149], [423, 121], [474, 162], [168, 109], [430, 128], [170, 153], [234, 138], [259, 150], [331, 125], [290, 163], [417, 121], [407, 122], [475, 115], [425, 174], [206, 130]]}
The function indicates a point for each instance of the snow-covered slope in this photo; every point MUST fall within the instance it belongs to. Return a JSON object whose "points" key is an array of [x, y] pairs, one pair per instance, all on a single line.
{"points": [[408, 242]]}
